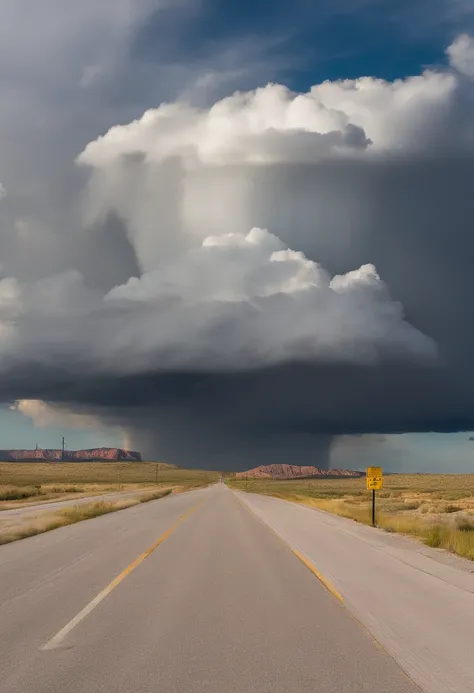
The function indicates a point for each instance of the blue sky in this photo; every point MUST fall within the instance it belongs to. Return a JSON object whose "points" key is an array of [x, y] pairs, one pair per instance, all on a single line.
{"points": [[19, 431], [208, 49], [304, 42], [407, 453]]}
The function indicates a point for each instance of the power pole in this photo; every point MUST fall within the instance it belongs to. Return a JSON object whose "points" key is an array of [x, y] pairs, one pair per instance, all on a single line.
{"points": [[62, 452]]}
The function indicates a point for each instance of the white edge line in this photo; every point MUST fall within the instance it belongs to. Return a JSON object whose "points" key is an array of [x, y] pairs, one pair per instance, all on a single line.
{"points": [[59, 637]]}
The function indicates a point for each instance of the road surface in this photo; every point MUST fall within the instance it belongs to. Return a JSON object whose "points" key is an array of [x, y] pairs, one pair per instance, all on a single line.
{"points": [[188, 594], [417, 601]]}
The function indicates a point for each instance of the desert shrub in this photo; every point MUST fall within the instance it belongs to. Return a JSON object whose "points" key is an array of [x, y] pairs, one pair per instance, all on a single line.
{"points": [[12, 493], [465, 524], [66, 489], [412, 505], [450, 509]]}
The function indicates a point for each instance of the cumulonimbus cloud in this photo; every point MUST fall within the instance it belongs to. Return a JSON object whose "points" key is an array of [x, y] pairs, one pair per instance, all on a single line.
{"points": [[352, 179]]}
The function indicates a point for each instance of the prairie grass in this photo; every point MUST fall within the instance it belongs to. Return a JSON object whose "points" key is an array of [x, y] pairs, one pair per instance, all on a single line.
{"points": [[110, 473]]}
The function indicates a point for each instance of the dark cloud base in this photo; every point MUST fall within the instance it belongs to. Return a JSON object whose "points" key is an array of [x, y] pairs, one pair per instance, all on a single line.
{"points": [[235, 421]]}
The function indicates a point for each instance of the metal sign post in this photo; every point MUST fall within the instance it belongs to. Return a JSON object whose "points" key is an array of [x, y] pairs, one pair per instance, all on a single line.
{"points": [[374, 480]]}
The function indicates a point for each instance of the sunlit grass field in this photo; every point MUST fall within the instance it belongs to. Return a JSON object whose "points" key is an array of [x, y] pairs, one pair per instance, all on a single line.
{"points": [[72, 473]]}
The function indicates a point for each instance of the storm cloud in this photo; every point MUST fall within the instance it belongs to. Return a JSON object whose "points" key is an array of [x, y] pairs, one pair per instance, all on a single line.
{"points": [[284, 268]]}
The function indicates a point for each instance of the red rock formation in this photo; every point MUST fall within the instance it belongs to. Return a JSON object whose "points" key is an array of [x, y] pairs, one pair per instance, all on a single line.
{"points": [[96, 454], [293, 471]]}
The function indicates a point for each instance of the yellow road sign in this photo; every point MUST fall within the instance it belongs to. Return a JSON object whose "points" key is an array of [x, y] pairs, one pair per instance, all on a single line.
{"points": [[374, 478]]}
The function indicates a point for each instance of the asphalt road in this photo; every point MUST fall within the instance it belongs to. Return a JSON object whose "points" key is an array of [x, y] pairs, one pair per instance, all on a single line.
{"points": [[417, 601], [208, 600]]}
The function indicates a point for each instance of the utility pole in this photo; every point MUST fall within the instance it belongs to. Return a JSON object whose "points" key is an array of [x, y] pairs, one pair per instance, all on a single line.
{"points": [[62, 451], [156, 473]]}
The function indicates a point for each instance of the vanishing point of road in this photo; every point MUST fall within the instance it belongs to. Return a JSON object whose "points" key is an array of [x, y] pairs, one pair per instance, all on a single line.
{"points": [[212, 591]]}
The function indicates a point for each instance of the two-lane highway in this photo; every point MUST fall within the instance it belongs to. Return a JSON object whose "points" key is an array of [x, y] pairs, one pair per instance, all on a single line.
{"points": [[219, 604]]}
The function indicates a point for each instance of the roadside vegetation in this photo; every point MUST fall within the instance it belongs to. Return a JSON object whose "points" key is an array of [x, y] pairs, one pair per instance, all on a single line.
{"points": [[24, 483], [47, 521], [437, 509], [154, 496]]}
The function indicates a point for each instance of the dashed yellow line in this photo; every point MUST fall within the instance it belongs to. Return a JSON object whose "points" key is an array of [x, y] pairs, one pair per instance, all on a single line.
{"points": [[56, 641]]}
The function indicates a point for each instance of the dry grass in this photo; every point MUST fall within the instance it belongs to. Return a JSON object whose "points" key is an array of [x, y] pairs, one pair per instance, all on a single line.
{"points": [[17, 496], [79, 473], [24, 483], [61, 518], [156, 495], [16, 493], [413, 504], [48, 521], [78, 513]]}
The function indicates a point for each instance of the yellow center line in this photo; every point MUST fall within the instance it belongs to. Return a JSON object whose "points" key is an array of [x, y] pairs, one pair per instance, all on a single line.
{"points": [[57, 640], [328, 585]]}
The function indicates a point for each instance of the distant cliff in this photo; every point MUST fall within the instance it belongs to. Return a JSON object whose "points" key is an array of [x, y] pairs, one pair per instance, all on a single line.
{"points": [[294, 471], [95, 454]]}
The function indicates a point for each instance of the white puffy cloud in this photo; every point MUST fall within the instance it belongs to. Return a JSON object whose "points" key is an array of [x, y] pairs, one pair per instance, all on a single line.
{"points": [[240, 301], [461, 54], [265, 126], [52, 415], [236, 301], [180, 173], [45, 415], [273, 124]]}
